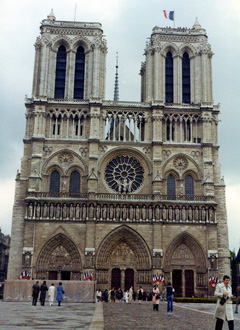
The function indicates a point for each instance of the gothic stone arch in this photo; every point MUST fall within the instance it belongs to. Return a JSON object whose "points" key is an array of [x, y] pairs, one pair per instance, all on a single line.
{"points": [[59, 254], [186, 253], [123, 248]]}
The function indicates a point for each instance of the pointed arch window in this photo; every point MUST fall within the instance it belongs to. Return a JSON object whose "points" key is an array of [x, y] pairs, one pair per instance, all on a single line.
{"points": [[79, 73], [186, 85], [171, 189], [60, 72], [189, 186], [169, 78], [74, 186], [55, 182]]}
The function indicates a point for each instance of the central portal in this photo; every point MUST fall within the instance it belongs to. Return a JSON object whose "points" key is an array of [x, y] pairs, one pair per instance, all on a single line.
{"points": [[116, 278], [129, 279]]}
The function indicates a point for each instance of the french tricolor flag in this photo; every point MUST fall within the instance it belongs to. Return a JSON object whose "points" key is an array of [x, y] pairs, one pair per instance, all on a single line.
{"points": [[169, 15]]}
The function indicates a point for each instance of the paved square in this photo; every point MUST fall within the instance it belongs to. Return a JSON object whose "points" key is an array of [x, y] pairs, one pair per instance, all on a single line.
{"points": [[117, 316], [142, 317]]}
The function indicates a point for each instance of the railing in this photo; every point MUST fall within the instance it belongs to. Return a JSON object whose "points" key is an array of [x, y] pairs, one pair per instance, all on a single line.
{"points": [[120, 197], [37, 194]]}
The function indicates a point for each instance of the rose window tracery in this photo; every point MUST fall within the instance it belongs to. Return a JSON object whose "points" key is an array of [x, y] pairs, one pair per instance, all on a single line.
{"points": [[124, 174]]}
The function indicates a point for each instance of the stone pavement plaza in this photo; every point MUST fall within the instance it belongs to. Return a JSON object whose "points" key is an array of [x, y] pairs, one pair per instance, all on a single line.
{"points": [[118, 316]]}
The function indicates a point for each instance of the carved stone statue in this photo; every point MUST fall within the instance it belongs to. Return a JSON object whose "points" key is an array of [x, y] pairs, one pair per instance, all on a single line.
{"points": [[84, 212], [77, 211], [184, 213], [51, 211], [203, 214], [91, 212], [117, 212], [64, 211], [137, 215], [45, 211], [98, 211], [38, 211], [170, 213], [150, 212], [144, 215], [104, 211], [89, 259], [157, 213], [58, 211], [124, 212], [30, 210], [111, 212], [177, 215], [164, 213], [131, 212], [196, 214], [27, 259], [190, 213], [211, 215], [71, 211]]}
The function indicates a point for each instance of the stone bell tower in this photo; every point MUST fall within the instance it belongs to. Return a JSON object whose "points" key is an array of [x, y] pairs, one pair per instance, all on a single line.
{"points": [[76, 53]]}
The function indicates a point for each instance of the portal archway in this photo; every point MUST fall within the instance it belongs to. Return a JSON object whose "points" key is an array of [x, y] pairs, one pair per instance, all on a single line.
{"points": [[185, 266], [123, 249], [59, 259]]}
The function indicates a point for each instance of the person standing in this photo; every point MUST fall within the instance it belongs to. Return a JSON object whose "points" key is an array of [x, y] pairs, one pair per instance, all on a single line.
{"points": [[35, 293], [43, 290], [169, 294], [60, 293], [126, 296], [51, 292], [140, 295], [224, 304], [105, 295], [155, 297], [119, 295], [112, 295], [130, 295]]}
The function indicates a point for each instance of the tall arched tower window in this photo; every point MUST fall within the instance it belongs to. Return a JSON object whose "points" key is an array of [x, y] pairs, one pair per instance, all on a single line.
{"points": [[60, 72], [169, 78], [189, 186], [55, 182], [74, 186], [171, 186], [79, 74], [186, 86]]}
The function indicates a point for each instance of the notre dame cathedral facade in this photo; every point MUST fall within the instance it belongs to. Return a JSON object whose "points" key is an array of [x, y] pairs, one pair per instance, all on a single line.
{"points": [[123, 190]]}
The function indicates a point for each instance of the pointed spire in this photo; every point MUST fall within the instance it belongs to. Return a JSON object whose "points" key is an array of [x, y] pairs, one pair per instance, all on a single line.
{"points": [[196, 25], [116, 89], [51, 16]]}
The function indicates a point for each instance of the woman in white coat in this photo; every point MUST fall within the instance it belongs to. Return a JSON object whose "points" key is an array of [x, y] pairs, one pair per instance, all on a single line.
{"points": [[224, 310], [51, 292]]}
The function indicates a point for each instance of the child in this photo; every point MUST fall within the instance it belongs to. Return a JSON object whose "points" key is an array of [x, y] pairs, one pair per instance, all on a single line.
{"points": [[126, 296]]}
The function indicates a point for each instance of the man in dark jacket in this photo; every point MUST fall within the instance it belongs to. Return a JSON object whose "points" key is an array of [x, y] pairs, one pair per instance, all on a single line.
{"points": [[35, 293], [43, 290]]}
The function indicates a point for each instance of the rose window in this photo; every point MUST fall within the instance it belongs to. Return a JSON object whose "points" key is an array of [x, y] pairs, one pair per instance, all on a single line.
{"points": [[124, 174]]}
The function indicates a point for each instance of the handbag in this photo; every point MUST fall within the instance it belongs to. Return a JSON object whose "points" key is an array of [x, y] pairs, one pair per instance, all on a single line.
{"points": [[157, 296], [222, 301]]}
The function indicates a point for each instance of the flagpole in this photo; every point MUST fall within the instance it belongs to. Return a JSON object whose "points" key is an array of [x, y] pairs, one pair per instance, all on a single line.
{"points": [[174, 19]]}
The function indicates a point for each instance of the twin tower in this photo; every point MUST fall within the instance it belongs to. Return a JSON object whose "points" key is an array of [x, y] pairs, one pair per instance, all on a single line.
{"points": [[121, 190]]}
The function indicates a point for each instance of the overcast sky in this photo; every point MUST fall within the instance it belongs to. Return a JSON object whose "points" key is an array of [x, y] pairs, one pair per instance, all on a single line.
{"points": [[127, 24]]}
